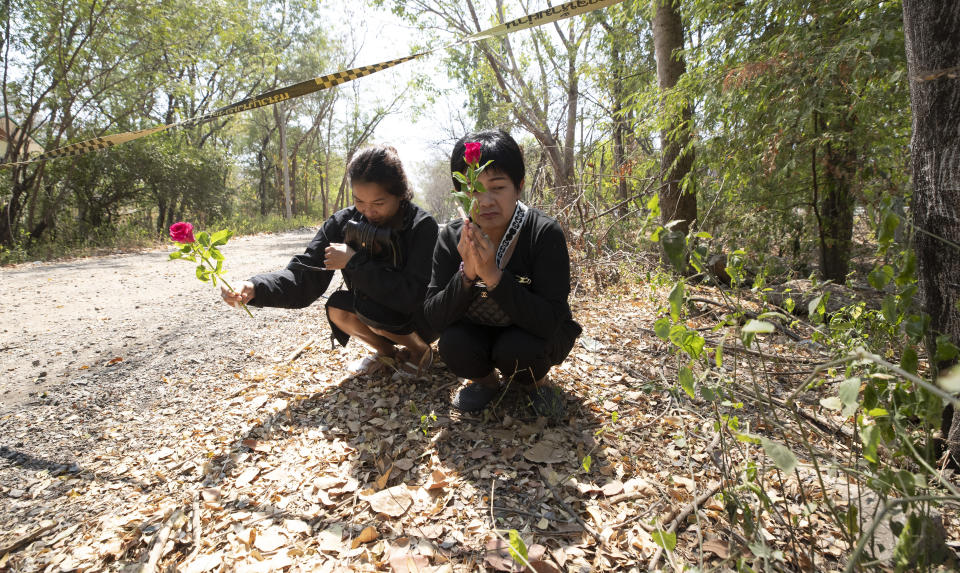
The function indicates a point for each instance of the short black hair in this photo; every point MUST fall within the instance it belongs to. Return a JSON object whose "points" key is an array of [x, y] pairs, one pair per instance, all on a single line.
{"points": [[498, 146], [380, 164]]}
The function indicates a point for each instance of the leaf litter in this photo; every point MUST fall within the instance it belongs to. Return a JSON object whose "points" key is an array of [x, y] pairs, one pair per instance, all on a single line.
{"points": [[267, 465]]}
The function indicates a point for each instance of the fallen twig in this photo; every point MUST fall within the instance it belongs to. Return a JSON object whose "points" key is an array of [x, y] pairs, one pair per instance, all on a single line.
{"points": [[749, 314], [680, 518], [569, 510], [296, 353], [196, 530], [28, 538], [160, 541]]}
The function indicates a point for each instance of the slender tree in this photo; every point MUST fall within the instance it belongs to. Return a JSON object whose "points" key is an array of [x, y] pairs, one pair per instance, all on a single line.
{"points": [[676, 203]]}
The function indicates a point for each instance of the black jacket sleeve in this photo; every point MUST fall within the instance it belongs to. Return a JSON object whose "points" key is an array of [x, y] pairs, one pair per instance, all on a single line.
{"points": [[543, 307], [296, 286], [447, 297], [403, 289]]}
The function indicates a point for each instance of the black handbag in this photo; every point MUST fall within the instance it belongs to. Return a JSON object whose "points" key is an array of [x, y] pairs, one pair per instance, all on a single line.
{"points": [[484, 310], [379, 243]]}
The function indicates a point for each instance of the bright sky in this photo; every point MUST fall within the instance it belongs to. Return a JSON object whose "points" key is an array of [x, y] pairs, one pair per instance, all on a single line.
{"points": [[417, 137]]}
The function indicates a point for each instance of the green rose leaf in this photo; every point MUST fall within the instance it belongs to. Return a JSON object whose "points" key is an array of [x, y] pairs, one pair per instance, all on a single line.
{"points": [[221, 237]]}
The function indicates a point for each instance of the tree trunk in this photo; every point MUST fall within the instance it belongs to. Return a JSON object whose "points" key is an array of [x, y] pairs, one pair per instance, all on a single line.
{"points": [[836, 212], [932, 28], [677, 158], [284, 164]]}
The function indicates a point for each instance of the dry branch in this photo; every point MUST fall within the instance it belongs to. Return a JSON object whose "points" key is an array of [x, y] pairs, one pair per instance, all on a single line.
{"points": [[574, 514], [156, 551], [680, 518], [28, 538]]}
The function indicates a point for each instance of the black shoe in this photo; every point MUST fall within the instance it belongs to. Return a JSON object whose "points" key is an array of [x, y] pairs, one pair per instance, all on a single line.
{"points": [[474, 397], [548, 401]]}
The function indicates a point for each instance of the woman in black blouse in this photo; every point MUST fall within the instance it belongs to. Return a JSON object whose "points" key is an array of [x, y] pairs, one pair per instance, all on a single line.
{"points": [[499, 287], [382, 246]]}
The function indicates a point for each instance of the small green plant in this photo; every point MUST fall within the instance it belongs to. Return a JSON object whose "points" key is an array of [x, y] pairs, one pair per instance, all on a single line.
{"points": [[426, 420]]}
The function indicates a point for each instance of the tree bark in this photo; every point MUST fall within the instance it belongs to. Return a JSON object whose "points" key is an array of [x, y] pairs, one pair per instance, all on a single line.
{"points": [[836, 211], [284, 163], [677, 156], [931, 28]]}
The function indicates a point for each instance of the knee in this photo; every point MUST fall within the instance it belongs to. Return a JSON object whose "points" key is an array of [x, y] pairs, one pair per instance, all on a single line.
{"points": [[339, 316], [516, 345], [464, 353]]}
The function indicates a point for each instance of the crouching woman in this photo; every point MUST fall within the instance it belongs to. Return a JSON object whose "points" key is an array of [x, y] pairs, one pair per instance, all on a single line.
{"points": [[499, 287], [382, 246]]}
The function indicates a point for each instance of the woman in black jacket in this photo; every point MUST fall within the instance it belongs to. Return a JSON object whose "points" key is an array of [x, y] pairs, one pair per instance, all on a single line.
{"points": [[499, 287], [382, 246]]}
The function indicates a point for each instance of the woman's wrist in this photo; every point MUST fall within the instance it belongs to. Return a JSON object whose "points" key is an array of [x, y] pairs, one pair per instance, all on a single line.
{"points": [[495, 280], [463, 273]]}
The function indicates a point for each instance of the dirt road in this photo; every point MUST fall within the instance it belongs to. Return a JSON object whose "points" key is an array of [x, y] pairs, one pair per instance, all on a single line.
{"points": [[69, 322]]}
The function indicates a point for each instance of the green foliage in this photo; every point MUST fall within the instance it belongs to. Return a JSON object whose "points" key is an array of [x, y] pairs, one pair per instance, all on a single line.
{"points": [[517, 548], [668, 541]]}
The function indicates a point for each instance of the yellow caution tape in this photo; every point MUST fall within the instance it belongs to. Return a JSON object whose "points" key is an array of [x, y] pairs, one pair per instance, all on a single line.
{"points": [[553, 14]]}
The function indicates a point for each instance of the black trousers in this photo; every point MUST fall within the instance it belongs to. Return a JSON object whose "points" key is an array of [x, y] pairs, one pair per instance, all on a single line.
{"points": [[383, 318], [472, 351]]}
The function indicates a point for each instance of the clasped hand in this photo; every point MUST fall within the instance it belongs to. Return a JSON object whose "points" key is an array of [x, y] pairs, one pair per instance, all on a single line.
{"points": [[337, 255], [479, 255]]}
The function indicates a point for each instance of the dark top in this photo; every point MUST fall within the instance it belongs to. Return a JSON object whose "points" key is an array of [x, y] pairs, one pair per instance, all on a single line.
{"points": [[534, 287], [401, 290]]}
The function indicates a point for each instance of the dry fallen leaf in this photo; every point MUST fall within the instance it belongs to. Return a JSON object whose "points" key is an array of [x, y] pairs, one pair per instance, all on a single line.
{"points": [[438, 480], [497, 555], [480, 453], [614, 487], [204, 563], [247, 476], [330, 539], [406, 562], [328, 482], [543, 567], [717, 547], [686, 482], [270, 540], [544, 453], [366, 536], [256, 445], [403, 464], [296, 526], [382, 480], [393, 501]]}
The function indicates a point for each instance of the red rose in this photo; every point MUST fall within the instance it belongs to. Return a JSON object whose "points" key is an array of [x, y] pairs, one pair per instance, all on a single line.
{"points": [[472, 152], [181, 232]]}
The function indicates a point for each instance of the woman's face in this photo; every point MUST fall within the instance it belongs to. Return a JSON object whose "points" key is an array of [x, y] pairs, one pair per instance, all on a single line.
{"points": [[374, 202], [495, 207]]}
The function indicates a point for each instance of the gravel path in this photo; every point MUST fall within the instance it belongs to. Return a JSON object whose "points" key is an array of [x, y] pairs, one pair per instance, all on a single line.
{"points": [[65, 322]]}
